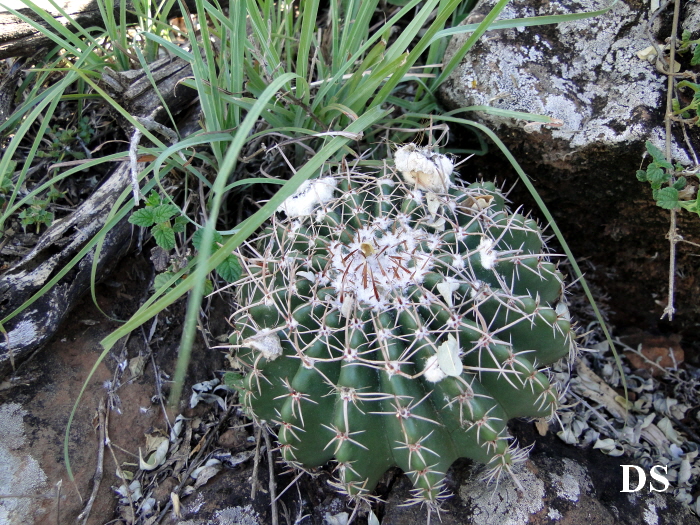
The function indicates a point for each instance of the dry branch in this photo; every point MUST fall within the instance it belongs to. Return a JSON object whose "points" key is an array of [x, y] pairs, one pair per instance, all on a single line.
{"points": [[67, 236], [18, 38]]}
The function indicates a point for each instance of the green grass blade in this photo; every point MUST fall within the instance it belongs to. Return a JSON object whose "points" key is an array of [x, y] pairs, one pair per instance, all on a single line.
{"points": [[170, 47], [260, 33], [238, 45], [438, 22], [524, 22], [50, 101], [205, 74], [331, 84], [489, 23], [355, 33], [72, 22], [403, 43], [309, 11], [485, 24], [62, 36], [152, 80], [124, 113]]}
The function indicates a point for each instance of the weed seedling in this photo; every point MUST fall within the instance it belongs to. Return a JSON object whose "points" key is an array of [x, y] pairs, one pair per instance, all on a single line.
{"points": [[230, 269], [157, 216], [65, 141], [37, 213], [659, 172]]}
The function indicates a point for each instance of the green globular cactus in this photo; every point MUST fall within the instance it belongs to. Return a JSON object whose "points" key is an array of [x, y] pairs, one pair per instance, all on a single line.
{"points": [[392, 320]]}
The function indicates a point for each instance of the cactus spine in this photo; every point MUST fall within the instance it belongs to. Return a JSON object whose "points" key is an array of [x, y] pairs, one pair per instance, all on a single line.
{"points": [[398, 321]]}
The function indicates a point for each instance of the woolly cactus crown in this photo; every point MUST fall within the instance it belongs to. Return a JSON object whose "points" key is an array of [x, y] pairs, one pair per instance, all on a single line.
{"points": [[398, 320]]}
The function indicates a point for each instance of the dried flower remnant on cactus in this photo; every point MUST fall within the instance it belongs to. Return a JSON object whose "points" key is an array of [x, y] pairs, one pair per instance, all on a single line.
{"points": [[411, 318], [308, 196], [425, 168]]}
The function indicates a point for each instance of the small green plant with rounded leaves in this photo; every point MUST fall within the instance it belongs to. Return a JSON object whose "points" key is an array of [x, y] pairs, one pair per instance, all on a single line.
{"points": [[687, 44], [229, 270], [36, 213], [660, 172], [157, 216], [69, 142], [398, 321]]}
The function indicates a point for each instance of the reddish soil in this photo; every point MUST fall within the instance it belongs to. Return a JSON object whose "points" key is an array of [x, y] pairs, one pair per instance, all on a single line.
{"points": [[47, 386]]}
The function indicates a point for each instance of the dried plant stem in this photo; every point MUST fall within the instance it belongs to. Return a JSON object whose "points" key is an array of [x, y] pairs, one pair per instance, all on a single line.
{"points": [[59, 484], [204, 450], [120, 473], [673, 238], [273, 483], [99, 469], [672, 235], [256, 463], [293, 482]]}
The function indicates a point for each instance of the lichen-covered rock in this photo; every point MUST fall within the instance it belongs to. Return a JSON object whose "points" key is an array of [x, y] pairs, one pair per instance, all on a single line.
{"points": [[554, 490], [398, 326], [21, 473], [585, 73]]}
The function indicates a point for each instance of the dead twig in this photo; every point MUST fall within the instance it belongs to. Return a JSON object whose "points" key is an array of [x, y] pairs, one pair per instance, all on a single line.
{"points": [[685, 428], [99, 469], [357, 506], [256, 463], [59, 483], [213, 432], [672, 235], [273, 483], [120, 472], [293, 482]]}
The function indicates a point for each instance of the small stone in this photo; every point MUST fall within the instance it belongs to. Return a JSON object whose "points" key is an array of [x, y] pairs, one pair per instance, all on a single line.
{"points": [[666, 352]]}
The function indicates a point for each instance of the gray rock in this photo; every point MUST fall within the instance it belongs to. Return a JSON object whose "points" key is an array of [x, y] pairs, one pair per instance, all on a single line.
{"points": [[584, 73], [21, 475], [558, 484], [608, 102]]}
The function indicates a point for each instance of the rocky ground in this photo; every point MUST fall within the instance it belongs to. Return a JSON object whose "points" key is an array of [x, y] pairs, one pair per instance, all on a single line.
{"points": [[205, 463], [123, 403]]}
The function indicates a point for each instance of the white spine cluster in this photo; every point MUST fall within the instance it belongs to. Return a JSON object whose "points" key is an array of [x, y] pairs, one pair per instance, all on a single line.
{"points": [[487, 253], [378, 263]]}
